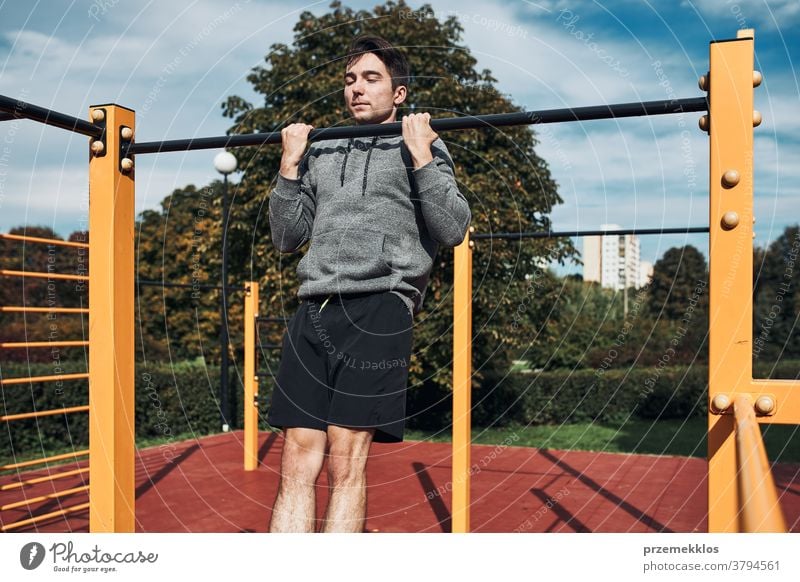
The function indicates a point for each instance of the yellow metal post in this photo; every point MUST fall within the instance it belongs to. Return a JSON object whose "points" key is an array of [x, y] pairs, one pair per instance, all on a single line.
{"points": [[250, 379], [462, 383], [730, 366], [111, 331]]}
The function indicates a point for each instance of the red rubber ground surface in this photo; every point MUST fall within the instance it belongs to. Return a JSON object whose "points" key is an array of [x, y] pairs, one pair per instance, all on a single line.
{"points": [[205, 489]]}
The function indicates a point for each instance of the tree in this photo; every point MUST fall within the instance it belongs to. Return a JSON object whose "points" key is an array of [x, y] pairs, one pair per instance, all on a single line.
{"points": [[776, 297], [678, 306], [583, 321], [680, 280], [38, 257], [508, 185], [181, 243]]}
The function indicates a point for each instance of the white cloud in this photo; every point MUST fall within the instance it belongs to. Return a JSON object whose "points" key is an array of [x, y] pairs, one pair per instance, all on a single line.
{"points": [[173, 63], [630, 172]]}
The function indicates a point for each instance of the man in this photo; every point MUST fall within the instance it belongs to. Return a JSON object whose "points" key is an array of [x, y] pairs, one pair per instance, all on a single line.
{"points": [[375, 211]]}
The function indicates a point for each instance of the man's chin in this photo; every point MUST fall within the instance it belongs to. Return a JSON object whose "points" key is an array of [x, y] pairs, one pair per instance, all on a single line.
{"points": [[364, 118]]}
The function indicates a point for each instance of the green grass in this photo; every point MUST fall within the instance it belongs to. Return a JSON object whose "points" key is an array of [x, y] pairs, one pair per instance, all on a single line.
{"points": [[666, 437], [141, 443]]}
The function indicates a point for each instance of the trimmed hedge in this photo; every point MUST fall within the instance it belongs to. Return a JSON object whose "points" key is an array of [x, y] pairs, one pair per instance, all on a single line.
{"points": [[182, 399], [170, 401], [573, 396]]}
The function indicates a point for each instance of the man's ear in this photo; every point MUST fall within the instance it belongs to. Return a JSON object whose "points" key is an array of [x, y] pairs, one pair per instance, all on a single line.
{"points": [[400, 95]]}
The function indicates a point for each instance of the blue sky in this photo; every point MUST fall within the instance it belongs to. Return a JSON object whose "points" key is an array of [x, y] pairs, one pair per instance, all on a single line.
{"points": [[176, 62]]}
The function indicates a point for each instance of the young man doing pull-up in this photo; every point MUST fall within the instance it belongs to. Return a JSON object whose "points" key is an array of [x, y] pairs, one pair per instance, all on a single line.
{"points": [[375, 211]]}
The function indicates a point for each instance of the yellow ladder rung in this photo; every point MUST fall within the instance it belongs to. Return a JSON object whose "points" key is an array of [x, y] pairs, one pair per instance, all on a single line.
{"points": [[54, 378], [26, 415], [44, 460], [46, 516]]}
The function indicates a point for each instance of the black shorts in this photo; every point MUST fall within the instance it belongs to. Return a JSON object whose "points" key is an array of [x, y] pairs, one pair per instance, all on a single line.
{"points": [[345, 362]]}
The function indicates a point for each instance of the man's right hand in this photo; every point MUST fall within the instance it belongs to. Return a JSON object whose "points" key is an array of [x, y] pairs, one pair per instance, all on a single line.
{"points": [[294, 139]]}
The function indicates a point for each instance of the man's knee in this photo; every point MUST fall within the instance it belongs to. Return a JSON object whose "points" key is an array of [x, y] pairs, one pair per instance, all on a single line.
{"points": [[347, 457], [303, 455]]}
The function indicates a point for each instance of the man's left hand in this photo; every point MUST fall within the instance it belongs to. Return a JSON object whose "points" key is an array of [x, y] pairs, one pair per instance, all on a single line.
{"points": [[419, 136]]}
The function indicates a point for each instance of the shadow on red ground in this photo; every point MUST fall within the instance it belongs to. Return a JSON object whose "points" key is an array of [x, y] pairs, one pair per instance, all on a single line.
{"points": [[200, 486]]}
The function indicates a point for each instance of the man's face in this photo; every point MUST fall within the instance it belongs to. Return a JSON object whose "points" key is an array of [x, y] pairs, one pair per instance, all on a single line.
{"points": [[368, 91]]}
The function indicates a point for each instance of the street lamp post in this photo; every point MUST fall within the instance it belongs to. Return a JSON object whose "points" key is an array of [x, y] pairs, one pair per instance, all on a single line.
{"points": [[225, 163]]}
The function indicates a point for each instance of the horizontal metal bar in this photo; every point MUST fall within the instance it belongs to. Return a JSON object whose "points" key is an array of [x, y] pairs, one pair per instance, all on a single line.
{"points": [[44, 460], [49, 241], [39, 275], [46, 516], [54, 378], [593, 112], [21, 110], [266, 319], [39, 414], [63, 344], [56, 495], [22, 309], [270, 346], [50, 477], [556, 234], [759, 502], [189, 285]]}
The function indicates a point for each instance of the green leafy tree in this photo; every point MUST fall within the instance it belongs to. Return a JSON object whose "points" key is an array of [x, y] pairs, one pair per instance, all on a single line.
{"points": [[776, 297], [509, 187], [181, 243], [678, 306], [585, 316], [676, 278], [45, 258]]}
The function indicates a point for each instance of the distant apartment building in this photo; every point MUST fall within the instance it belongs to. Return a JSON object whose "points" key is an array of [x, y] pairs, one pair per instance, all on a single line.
{"points": [[613, 260], [645, 273]]}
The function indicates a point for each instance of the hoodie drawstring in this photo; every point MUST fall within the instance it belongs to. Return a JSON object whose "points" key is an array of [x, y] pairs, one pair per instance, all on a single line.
{"points": [[366, 165], [346, 155]]}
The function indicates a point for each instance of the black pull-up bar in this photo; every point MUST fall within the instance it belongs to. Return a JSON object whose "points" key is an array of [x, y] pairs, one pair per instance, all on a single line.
{"points": [[593, 112], [16, 109]]}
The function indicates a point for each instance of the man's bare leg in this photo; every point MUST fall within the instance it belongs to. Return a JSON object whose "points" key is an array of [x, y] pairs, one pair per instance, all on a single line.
{"points": [[347, 479], [301, 463]]}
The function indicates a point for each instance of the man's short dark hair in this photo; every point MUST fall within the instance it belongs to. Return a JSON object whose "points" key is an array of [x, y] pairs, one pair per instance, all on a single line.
{"points": [[395, 61]]}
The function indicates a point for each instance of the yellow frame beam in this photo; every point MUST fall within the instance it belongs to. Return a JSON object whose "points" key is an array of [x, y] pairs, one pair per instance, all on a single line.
{"points": [[730, 371], [250, 381], [462, 383], [111, 331]]}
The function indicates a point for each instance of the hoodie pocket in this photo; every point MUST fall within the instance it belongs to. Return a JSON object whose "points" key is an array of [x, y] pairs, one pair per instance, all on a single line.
{"points": [[345, 255]]}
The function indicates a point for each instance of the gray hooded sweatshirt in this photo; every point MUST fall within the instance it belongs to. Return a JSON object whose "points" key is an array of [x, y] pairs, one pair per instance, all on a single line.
{"points": [[375, 223]]}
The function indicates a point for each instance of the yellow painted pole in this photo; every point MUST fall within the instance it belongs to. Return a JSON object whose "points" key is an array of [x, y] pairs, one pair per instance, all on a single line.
{"points": [[250, 382], [111, 331], [462, 383], [730, 84], [760, 509]]}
